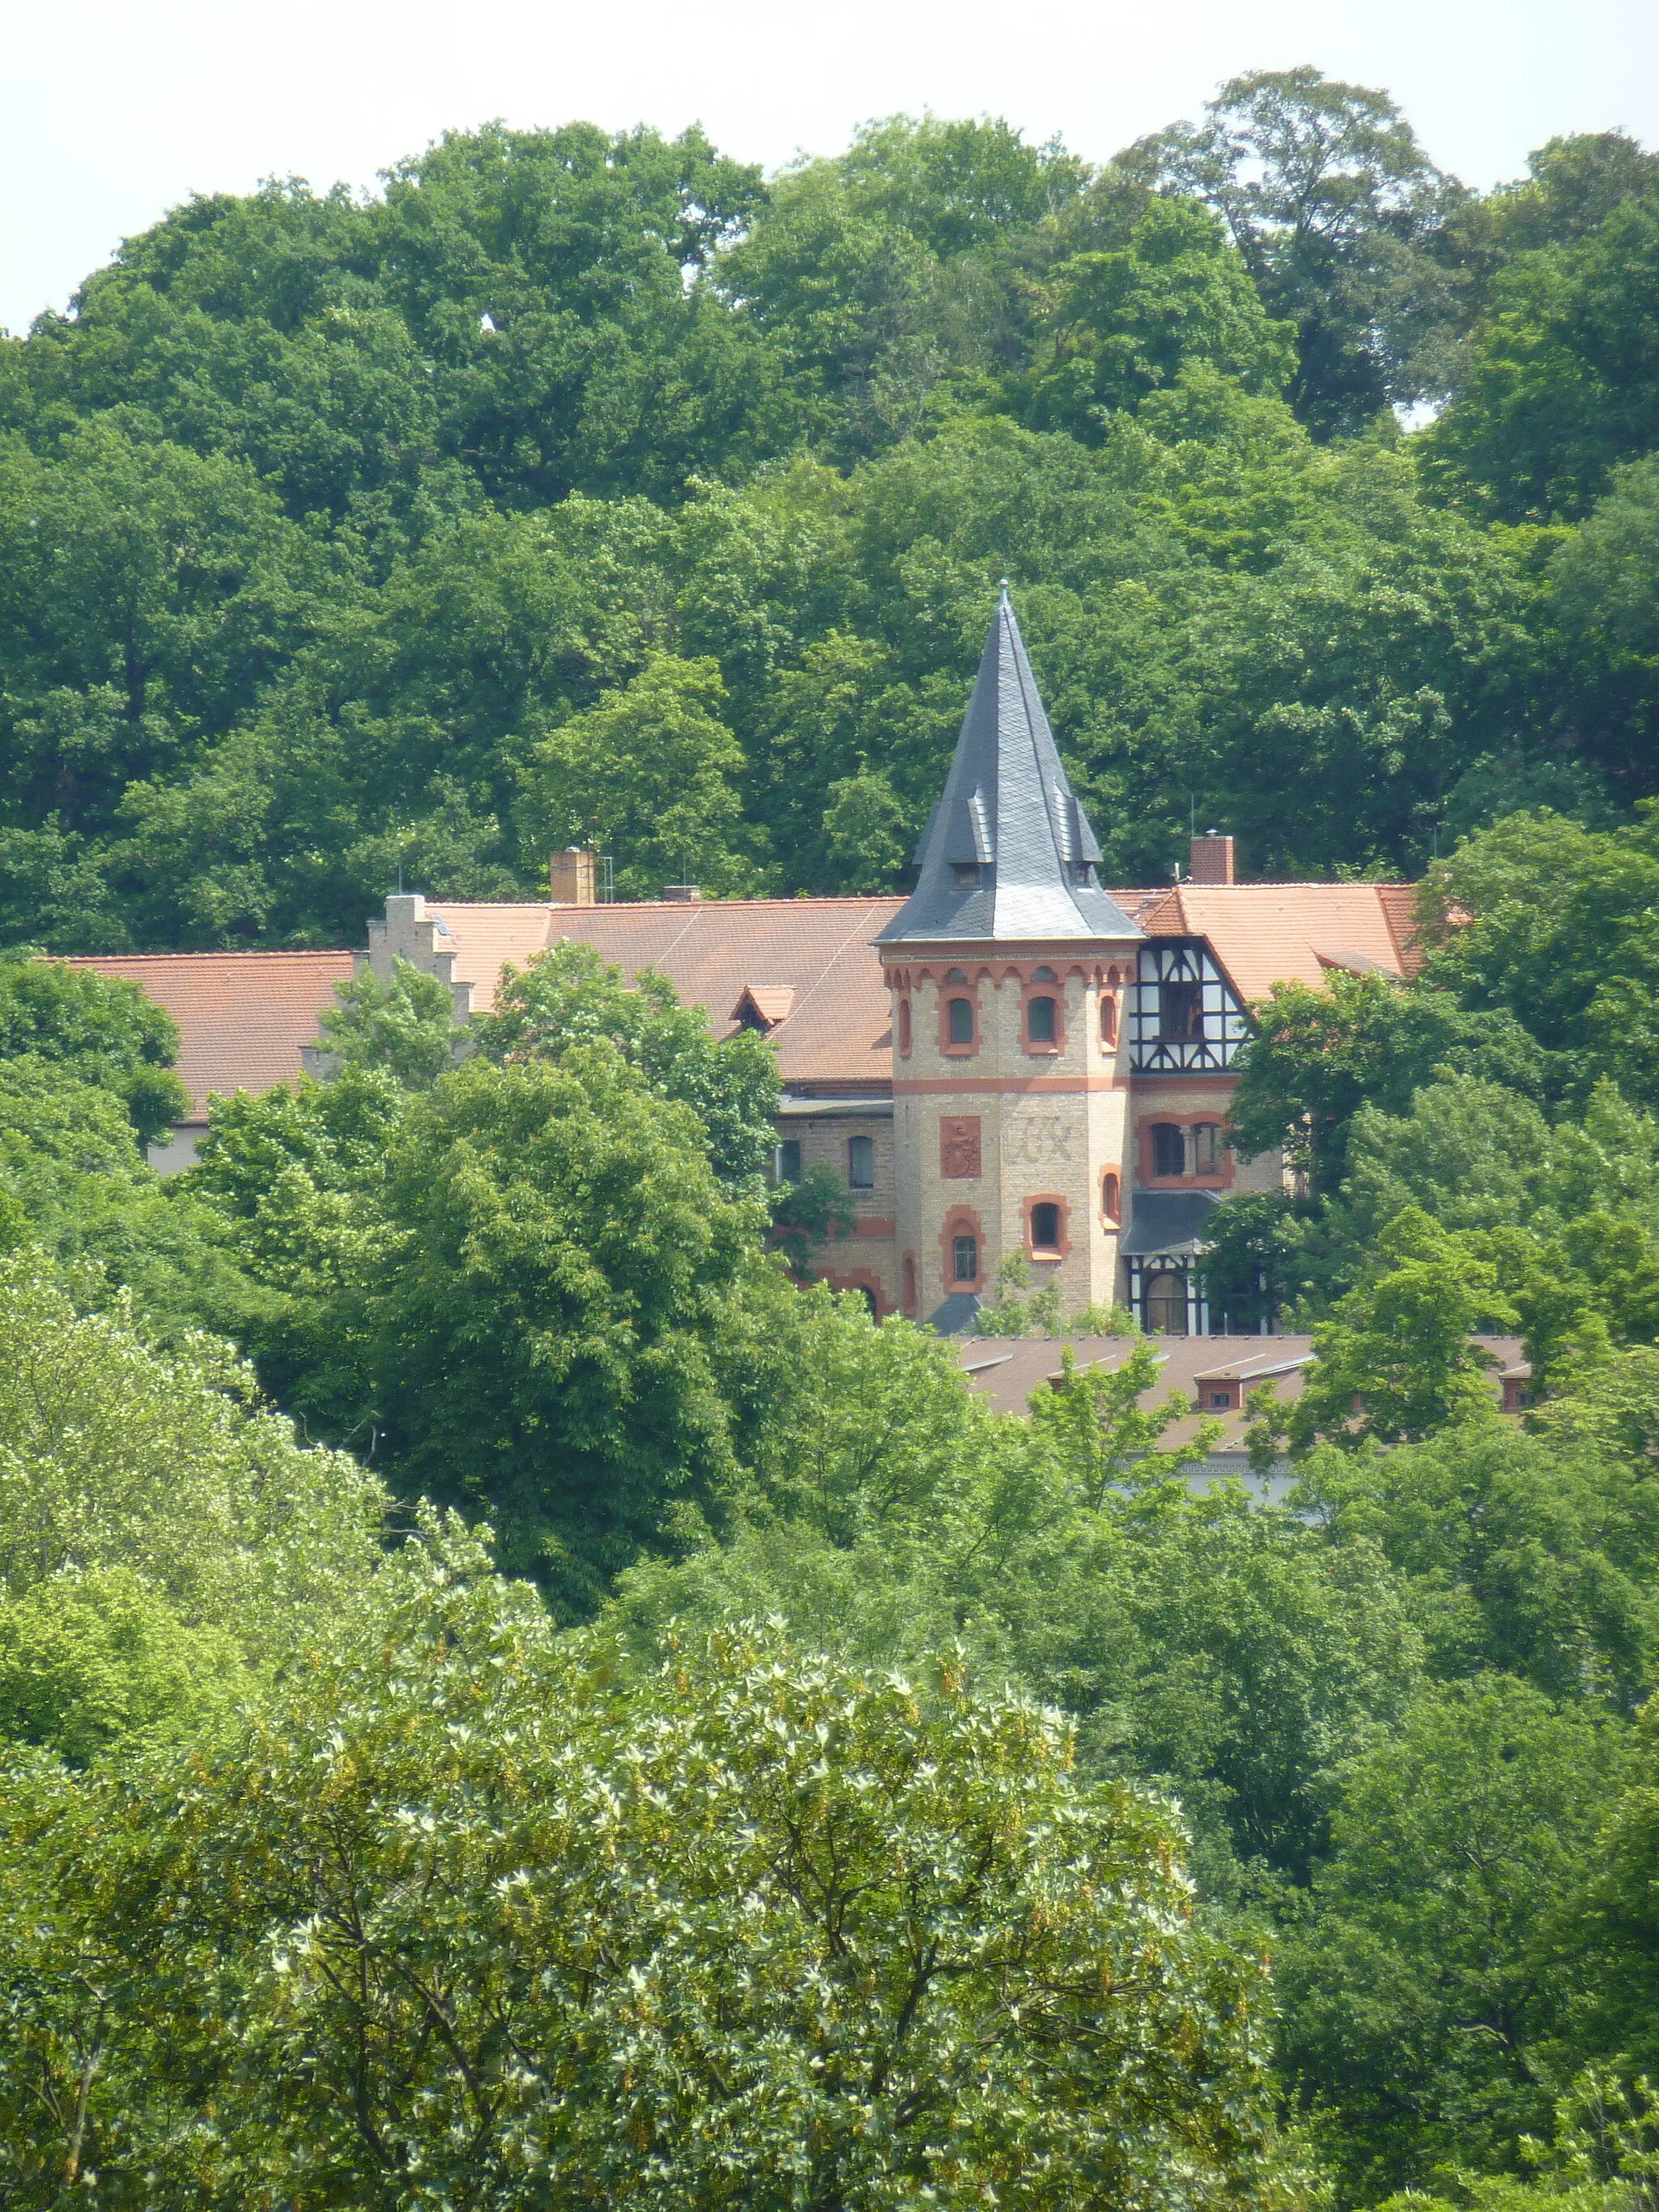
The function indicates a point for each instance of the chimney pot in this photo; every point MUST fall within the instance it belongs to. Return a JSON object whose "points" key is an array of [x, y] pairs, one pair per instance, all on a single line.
{"points": [[1212, 860]]}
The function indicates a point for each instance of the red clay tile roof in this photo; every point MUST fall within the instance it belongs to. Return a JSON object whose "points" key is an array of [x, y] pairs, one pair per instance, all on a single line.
{"points": [[1399, 908], [1268, 933], [836, 1031], [242, 1016]]}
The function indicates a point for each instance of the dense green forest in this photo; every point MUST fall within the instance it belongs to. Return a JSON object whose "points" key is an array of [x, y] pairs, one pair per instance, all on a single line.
{"points": [[505, 1698], [577, 485]]}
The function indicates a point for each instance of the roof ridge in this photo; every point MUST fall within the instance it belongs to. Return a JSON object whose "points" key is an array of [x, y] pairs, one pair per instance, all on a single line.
{"points": [[227, 952], [666, 906]]}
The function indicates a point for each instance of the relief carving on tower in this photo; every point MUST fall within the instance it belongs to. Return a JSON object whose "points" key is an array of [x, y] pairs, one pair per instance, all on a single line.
{"points": [[1038, 1140], [959, 1146]]}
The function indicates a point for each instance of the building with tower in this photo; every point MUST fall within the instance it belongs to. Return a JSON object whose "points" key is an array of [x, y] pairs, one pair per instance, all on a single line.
{"points": [[1006, 970], [1016, 1059]]}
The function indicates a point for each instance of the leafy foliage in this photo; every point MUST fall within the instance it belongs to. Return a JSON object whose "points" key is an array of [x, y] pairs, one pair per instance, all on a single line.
{"points": [[644, 1938], [101, 1029]]}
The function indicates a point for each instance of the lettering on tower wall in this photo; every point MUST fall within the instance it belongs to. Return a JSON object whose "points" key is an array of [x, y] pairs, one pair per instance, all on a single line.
{"points": [[1037, 1141]]}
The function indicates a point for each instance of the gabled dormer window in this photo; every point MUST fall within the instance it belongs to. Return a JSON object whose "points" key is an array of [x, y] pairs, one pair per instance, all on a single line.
{"points": [[965, 873], [1183, 1013]]}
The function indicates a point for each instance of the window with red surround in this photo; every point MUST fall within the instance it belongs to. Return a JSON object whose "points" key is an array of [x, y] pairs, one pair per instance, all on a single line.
{"points": [[1186, 1148], [1111, 1197], [958, 1016], [1048, 1228], [962, 1247], [1043, 1013], [904, 1028], [1108, 1020]]}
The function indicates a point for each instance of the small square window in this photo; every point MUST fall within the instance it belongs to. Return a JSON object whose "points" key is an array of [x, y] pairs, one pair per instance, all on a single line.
{"points": [[965, 872], [1221, 1400]]}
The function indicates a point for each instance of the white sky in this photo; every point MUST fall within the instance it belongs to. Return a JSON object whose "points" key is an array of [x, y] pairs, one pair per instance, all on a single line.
{"points": [[112, 110]]}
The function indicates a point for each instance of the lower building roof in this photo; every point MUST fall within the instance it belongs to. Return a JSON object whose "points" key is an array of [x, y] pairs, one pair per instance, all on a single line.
{"points": [[242, 1016]]}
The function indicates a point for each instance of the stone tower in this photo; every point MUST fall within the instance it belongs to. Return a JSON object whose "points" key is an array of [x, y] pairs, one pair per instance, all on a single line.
{"points": [[1008, 970]]}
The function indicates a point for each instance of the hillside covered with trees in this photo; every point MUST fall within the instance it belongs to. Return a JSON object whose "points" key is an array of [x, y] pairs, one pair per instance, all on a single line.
{"points": [[505, 1697], [577, 485]]}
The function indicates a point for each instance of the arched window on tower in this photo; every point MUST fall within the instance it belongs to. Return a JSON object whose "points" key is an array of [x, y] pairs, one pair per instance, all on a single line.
{"points": [[904, 1026], [959, 1020], [1045, 1228], [1111, 1197], [964, 1259], [1109, 1018]]}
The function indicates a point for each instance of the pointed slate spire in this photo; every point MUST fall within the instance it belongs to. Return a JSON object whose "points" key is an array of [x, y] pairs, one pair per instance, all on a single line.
{"points": [[1007, 853]]}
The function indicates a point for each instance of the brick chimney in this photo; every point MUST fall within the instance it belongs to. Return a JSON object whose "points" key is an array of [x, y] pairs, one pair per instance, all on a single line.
{"points": [[1212, 858], [570, 877]]}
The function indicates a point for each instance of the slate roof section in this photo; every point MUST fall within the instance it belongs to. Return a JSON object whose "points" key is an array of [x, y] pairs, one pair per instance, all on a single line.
{"points": [[242, 1016], [838, 1030], [1009, 813], [1165, 1221], [956, 1312]]}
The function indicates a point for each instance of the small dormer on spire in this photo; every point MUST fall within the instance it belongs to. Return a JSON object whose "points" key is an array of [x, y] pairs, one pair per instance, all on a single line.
{"points": [[1007, 853]]}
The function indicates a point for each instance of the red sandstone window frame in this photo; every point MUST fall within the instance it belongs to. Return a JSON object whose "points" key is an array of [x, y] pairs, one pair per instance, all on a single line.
{"points": [[1061, 1248], [867, 1282], [1053, 987], [906, 1037], [1111, 1197], [1216, 1178], [1108, 1021], [962, 1221], [967, 988]]}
